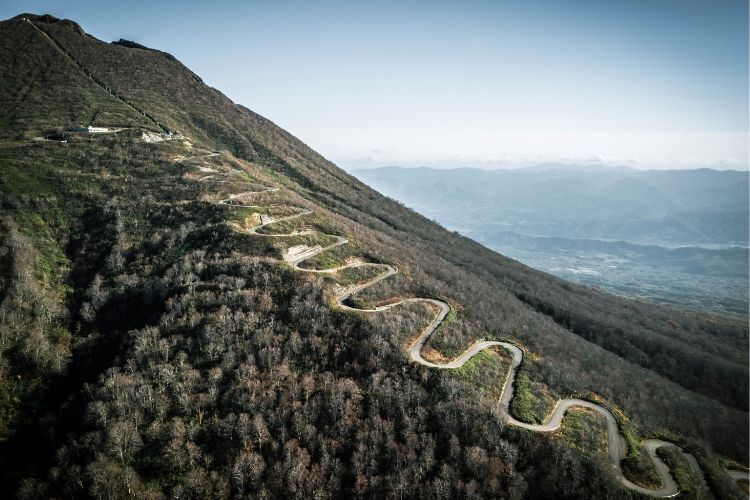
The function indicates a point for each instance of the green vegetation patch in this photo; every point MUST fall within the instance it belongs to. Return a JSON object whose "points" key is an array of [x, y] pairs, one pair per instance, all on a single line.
{"points": [[637, 467], [311, 222], [450, 337], [484, 374], [310, 240], [331, 258], [353, 275], [7, 120], [21, 178], [689, 483], [585, 432], [284, 227], [527, 405], [246, 177]]}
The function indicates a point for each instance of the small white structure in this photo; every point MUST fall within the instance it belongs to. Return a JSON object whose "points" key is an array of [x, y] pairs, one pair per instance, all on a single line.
{"points": [[95, 130]]}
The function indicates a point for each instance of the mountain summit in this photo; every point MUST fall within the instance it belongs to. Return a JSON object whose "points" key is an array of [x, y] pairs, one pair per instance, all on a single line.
{"points": [[195, 304]]}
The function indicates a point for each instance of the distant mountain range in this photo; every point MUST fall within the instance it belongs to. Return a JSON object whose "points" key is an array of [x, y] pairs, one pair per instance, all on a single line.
{"points": [[663, 207], [677, 237]]}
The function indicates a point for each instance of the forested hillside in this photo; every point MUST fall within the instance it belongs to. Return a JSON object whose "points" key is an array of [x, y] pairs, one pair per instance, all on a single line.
{"points": [[152, 345]]}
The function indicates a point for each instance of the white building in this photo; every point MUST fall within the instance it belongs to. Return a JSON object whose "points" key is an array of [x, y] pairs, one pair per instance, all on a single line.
{"points": [[94, 130]]}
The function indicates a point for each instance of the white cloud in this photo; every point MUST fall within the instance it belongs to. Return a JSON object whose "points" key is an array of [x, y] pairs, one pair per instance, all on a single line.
{"points": [[492, 148]]}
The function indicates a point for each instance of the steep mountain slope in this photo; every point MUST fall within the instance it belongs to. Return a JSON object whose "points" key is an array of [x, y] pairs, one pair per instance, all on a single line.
{"points": [[34, 98], [153, 345]]}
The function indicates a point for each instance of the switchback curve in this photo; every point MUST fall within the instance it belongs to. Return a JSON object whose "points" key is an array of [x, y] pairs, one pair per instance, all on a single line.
{"points": [[616, 447]]}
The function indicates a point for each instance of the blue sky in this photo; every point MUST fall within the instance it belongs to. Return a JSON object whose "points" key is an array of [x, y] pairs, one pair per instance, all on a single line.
{"points": [[653, 83]]}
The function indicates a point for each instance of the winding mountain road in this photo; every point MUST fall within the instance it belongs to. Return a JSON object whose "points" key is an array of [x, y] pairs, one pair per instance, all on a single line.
{"points": [[616, 447]]}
